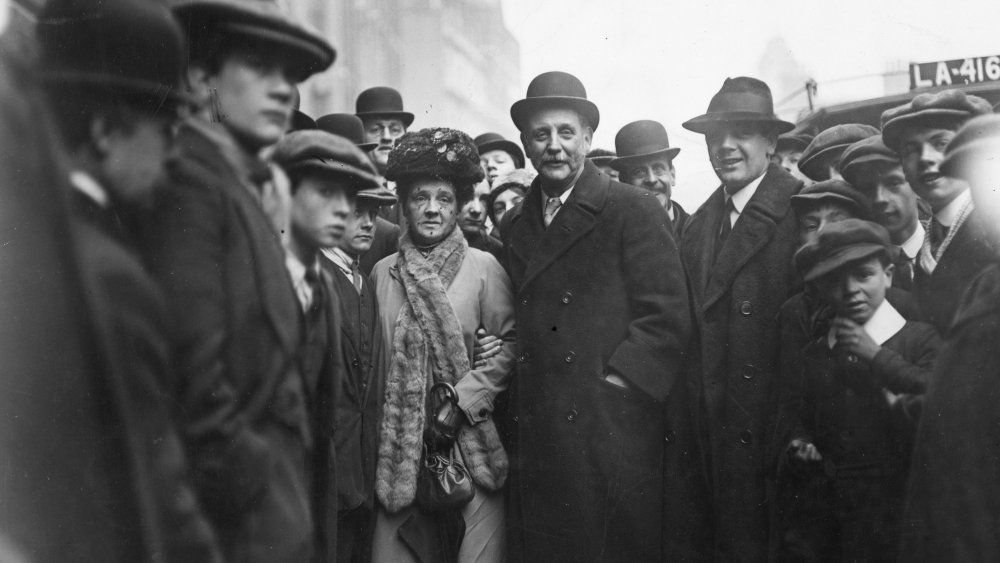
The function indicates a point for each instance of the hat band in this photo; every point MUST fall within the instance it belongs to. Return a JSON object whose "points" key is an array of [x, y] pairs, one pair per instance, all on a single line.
{"points": [[725, 102], [648, 149]]}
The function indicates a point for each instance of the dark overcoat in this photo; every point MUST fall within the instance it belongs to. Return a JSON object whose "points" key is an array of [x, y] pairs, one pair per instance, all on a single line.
{"points": [[600, 291], [736, 300], [236, 329], [679, 221], [953, 502]]}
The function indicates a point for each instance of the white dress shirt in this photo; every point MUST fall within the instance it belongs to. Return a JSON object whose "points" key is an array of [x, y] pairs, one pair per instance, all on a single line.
{"points": [[742, 197]]}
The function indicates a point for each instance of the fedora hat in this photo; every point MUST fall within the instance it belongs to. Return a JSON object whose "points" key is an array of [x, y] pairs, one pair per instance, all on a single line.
{"points": [[261, 21], [348, 126], [555, 89], [382, 101], [495, 142], [639, 140], [740, 100], [320, 152], [133, 48]]}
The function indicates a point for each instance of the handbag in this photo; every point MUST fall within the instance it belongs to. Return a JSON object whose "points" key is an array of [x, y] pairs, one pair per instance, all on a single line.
{"points": [[443, 483]]}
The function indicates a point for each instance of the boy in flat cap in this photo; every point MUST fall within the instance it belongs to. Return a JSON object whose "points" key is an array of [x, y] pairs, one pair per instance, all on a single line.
{"points": [[737, 250], [956, 246], [217, 250], [788, 153], [859, 379]]}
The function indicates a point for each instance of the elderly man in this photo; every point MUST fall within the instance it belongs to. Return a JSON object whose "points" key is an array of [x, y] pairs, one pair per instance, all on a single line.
{"points": [[737, 249], [646, 160], [604, 469], [956, 245]]}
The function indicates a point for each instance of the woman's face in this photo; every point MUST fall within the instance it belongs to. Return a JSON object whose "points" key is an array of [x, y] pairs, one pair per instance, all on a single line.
{"points": [[431, 211]]}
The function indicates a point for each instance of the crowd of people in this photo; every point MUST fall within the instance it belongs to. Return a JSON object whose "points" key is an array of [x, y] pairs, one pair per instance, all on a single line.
{"points": [[234, 332]]}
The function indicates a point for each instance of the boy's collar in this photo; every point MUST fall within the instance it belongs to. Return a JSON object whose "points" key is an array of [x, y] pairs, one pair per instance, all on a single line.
{"points": [[884, 323]]}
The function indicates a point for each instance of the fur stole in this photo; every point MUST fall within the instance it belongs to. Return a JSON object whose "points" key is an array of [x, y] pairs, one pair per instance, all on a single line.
{"points": [[428, 347]]}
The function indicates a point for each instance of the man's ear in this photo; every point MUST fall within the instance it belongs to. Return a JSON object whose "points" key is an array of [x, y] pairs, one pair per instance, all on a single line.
{"points": [[889, 270], [199, 83]]}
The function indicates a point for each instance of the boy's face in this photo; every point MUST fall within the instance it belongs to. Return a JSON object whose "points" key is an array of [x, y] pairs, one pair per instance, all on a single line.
{"points": [[921, 151], [320, 208], [822, 213], [894, 203], [858, 288], [360, 230]]}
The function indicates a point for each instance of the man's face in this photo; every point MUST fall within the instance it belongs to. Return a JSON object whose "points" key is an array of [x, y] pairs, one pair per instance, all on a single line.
{"points": [[504, 202], [496, 163], [921, 152], [557, 141], [655, 174], [739, 153], [384, 131], [894, 203], [255, 94], [320, 208], [472, 218], [820, 214], [133, 159], [431, 211], [858, 288], [360, 230]]}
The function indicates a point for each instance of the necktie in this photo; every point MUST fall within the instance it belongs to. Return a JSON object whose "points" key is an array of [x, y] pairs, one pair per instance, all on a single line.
{"points": [[552, 206], [938, 232], [727, 225], [904, 274], [312, 280], [356, 275]]}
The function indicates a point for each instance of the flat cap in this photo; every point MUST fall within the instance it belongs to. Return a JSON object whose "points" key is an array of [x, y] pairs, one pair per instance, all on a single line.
{"points": [[833, 190], [438, 152], [841, 243], [949, 107], [380, 195], [864, 151], [793, 141], [323, 153], [830, 143]]}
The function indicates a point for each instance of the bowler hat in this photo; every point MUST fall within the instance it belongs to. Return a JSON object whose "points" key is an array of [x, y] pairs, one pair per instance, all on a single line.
{"points": [[348, 126], [260, 21], [830, 143], [949, 108], [793, 142], [320, 152], [601, 157], [841, 243], [832, 190], [300, 121], [864, 151], [133, 48], [438, 152], [382, 101], [974, 150], [740, 100], [495, 142], [555, 89], [639, 140]]}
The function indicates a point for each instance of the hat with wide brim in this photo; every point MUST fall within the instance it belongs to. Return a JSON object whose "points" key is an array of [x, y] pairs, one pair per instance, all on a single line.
{"points": [[831, 143], [841, 243], [642, 140], [863, 152], [134, 49], [261, 21], [495, 142], [740, 100], [318, 152], [948, 108], [348, 126], [555, 89], [833, 190], [384, 102]]}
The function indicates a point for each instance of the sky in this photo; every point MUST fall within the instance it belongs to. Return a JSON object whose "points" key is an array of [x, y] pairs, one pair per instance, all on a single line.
{"points": [[664, 59]]}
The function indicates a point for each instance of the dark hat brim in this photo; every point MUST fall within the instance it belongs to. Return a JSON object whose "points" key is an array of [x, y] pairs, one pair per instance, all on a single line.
{"points": [[506, 146], [380, 195], [709, 122], [154, 92], [799, 200], [850, 170], [363, 179], [312, 57], [621, 162], [812, 166], [602, 160], [892, 130], [836, 260], [404, 116], [523, 109]]}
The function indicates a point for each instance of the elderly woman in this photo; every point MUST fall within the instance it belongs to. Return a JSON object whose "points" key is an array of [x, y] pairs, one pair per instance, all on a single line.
{"points": [[433, 296]]}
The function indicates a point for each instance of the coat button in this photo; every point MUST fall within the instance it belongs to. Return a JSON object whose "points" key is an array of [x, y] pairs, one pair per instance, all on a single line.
{"points": [[852, 358], [746, 437], [571, 416], [748, 372], [355, 362], [524, 300], [567, 297], [746, 309], [571, 357], [515, 418], [523, 357], [483, 412], [670, 437]]}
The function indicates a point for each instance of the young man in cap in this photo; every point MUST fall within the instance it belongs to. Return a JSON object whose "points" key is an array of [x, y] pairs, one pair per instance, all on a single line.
{"points": [[604, 467], [472, 220], [507, 191], [602, 160], [646, 160], [737, 249], [951, 506], [114, 117], [821, 158], [875, 171], [858, 378], [217, 251], [498, 155], [788, 153], [385, 233], [956, 246]]}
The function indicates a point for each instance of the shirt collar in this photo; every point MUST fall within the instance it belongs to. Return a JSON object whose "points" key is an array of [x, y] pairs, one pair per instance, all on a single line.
{"points": [[911, 247], [88, 186], [340, 258], [297, 269], [884, 324], [742, 197], [562, 197], [950, 213]]}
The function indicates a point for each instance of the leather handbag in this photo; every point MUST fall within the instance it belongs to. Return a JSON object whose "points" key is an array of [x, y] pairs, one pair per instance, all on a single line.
{"points": [[444, 482]]}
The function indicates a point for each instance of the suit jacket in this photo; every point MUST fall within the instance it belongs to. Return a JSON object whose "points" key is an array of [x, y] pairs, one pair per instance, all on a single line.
{"points": [[736, 298], [600, 473], [938, 294], [385, 242], [236, 333]]}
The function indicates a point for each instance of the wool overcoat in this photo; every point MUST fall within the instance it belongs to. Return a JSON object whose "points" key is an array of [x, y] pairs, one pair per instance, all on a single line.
{"points": [[737, 298], [600, 473]]}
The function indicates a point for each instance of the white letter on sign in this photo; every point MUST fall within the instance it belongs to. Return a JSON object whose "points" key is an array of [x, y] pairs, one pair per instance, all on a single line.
{"points": [[942, 77]]}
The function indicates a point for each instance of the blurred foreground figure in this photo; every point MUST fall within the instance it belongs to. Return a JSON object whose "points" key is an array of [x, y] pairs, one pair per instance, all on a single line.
{"points": [[953, 504]]}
